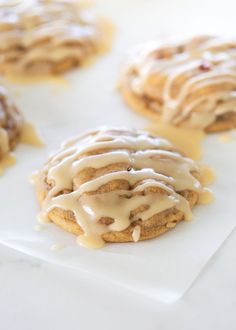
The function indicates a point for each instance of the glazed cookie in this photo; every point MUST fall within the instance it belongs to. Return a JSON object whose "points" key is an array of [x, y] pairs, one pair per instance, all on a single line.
{"points": [[11, 124], [118, 185], [184, 83], [47, 36]]}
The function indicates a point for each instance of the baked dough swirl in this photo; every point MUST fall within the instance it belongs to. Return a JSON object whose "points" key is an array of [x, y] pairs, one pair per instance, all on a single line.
{"points": [[11, 124], [117, 185], [47, 36], [184, 83]]}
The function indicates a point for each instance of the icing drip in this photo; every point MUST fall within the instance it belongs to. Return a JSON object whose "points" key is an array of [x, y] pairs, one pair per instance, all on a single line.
{"points": [[189, 83], [29, 135], [4, 142], [8, 160], [134, 177], [188, 140], [136, 233]]}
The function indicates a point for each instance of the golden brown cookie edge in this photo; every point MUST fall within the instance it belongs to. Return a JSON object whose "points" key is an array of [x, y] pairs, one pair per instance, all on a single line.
{"points": [[151, 228], [138, 105]]}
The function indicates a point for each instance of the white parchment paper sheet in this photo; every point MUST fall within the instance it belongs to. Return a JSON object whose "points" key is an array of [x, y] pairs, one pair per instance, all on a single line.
{"points": [[162, 268]]}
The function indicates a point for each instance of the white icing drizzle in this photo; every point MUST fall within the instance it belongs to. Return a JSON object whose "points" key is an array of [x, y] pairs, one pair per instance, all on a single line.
{"points": [[42, 32], [189, 83], [154, 173]]}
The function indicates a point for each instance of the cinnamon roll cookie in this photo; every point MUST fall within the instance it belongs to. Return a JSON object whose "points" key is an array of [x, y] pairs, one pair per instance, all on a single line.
{"points": [[47, 36], [11, 124], [184, 83], [118, 185]]}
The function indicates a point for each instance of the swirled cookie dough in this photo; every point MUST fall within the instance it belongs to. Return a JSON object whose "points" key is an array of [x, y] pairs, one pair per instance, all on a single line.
{"points": [[118, 185], [184, 83], [11, 124], [40, 37]]}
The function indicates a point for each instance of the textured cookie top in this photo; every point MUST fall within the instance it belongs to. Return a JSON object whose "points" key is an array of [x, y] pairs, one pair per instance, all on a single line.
{"points": [[11, 122], [109, 178], [190, 82], [42, 35]]}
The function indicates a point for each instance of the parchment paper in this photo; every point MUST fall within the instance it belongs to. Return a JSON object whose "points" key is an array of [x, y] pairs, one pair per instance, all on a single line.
{"points": [[162, 268]]}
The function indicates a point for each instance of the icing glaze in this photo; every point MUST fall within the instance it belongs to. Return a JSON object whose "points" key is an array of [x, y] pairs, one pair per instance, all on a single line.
{"points": [[187, 82], [116, 174], [34, 34]]}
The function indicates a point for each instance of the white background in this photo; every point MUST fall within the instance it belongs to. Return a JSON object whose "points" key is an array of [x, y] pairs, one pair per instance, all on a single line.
{"points": [[36, 295]]}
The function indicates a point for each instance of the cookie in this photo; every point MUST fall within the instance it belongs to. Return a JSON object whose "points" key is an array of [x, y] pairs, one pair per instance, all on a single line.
{"points": [[11, 123], [188, 83], [48, 37], [117, 185]]}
